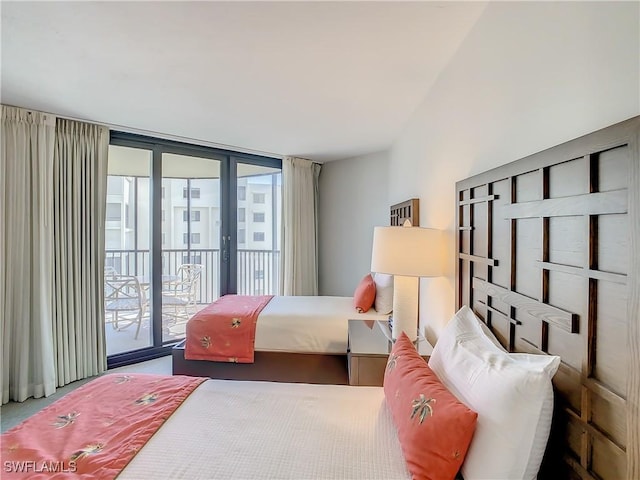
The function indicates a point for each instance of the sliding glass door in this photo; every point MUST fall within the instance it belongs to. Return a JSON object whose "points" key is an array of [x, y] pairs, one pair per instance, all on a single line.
{"points": [[191, 233], [185, 225], [127, 243]]}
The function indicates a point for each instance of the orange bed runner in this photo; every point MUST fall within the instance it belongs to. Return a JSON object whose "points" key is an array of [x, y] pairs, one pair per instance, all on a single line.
{"points": [[94, 431], [225, 331]]}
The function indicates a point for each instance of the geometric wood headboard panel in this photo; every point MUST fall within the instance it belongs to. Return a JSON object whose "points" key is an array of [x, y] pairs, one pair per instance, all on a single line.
{"points": [[407, 210], [548, 256]]}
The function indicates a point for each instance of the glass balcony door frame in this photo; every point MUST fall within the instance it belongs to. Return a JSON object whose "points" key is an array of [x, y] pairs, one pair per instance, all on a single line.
{"points": [[232, 233], [228, 230]]}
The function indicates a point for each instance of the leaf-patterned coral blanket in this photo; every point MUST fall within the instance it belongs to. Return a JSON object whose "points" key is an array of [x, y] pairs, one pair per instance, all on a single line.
{"points": [[95, 430], [225, 331]]}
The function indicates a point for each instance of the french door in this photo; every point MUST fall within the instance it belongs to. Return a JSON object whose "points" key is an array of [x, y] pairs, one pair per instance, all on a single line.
{"points": [[185, 225]]}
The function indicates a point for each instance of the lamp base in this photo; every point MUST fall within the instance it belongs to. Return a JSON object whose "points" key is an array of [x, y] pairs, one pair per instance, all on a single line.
{"points": [[405, 306]]}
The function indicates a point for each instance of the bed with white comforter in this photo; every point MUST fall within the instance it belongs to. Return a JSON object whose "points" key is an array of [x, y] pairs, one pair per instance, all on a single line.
{"points": [[308, 324], [297, 339], [266, 430]]}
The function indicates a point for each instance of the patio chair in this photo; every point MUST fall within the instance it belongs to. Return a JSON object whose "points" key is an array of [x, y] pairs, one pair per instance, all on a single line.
{"points": [[110, 271], [125, 300], [181, 295]]}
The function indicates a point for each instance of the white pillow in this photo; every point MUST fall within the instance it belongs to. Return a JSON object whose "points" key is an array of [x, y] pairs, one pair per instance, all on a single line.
{"points": [[512, 394], [384, 293], [489, 334]]}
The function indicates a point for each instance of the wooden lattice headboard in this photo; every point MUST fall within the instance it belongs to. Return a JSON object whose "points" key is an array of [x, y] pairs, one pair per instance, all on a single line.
{"points": [[407, 210], [549, 257]]}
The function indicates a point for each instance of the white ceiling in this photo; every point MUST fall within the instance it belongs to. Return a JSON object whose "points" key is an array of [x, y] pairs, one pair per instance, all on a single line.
{"points": [[320, 80]]}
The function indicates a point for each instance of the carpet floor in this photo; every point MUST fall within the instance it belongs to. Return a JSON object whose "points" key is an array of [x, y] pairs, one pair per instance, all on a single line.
{"points": [[13, 413]]}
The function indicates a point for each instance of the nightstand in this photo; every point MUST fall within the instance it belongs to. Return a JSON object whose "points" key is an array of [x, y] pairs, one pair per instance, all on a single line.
{"points": [[369, 348]]}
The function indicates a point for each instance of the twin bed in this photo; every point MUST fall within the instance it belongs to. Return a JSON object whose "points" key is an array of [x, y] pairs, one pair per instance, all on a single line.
{"points": [[547, 257], [298, 338]]}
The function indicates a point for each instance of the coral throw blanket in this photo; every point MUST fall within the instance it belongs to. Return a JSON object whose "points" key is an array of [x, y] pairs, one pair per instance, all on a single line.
{"points": [[94, 431], [225, 331]]}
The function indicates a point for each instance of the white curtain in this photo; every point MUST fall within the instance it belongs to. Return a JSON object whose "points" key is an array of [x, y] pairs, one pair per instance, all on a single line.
{"points": [[26, 241], [299, 258], [79, 209]]}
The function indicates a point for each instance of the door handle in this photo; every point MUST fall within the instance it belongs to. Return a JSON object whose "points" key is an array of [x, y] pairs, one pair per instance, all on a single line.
{"points": [[225, 248]]}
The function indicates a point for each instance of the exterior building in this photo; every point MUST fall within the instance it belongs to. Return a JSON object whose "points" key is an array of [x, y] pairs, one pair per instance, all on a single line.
{"points": [[191, 228]]}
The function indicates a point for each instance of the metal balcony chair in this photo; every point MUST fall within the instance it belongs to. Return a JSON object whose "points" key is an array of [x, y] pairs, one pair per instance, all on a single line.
{"points": [[110, 271], [125, 300], [181, 295]]}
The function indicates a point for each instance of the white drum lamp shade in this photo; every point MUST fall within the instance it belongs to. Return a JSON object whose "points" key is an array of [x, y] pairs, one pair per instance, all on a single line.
{"points": [[407, 253]]}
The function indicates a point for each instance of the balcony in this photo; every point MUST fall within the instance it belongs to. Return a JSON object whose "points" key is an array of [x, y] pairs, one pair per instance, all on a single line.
{"points": [[258, 273]]}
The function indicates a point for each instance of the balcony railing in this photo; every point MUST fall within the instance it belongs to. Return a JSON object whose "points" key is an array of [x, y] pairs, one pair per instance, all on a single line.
{"points": [[258, 270]]}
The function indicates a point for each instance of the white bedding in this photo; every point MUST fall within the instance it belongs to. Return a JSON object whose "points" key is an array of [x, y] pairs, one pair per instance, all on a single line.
{"points": [[262, 430], [307, 324]]}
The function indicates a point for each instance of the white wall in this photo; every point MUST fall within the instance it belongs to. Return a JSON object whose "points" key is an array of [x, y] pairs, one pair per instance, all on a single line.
{"points": [[353, 199], [527, 77]]}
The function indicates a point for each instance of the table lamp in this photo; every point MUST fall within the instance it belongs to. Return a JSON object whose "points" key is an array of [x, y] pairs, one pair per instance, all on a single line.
{"points": [[407, 253]]}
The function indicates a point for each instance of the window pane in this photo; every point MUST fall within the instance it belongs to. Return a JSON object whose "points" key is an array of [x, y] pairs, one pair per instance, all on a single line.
{"points": [[114, 185], [259, 203], [127, 240], [114, 211], [192, 247]]}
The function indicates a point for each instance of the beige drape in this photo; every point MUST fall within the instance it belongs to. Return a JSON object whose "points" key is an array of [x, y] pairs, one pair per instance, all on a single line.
{"points": [[299, 259], [79, 208], [26, 241]]}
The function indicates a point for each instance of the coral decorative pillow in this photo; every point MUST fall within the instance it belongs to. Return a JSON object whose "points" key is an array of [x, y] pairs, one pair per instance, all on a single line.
{"points": [[365, 294], [434, 428]]}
